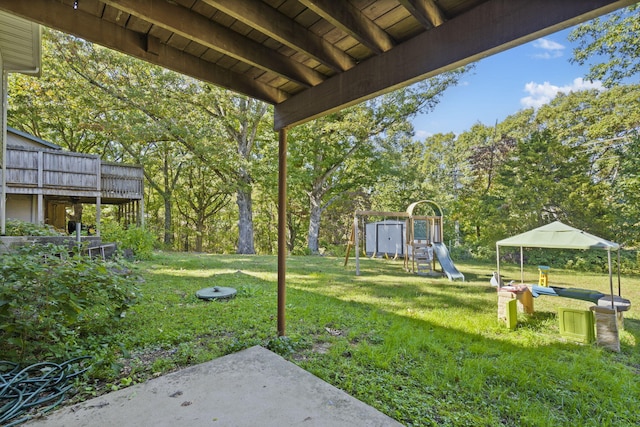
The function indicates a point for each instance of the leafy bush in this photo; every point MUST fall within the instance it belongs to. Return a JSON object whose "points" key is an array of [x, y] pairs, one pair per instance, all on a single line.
{"points": [[301, 251], [459, 252], [337, 250], [50, 300], [136, 239], [472, 252], [630, 262], [16, 227]]}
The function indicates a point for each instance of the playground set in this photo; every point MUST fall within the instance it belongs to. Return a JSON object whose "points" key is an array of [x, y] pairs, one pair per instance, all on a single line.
{"points": [[417, 238]]}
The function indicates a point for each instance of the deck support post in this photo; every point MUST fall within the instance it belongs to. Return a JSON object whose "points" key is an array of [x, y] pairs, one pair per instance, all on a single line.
{"points": [[282, 229]]}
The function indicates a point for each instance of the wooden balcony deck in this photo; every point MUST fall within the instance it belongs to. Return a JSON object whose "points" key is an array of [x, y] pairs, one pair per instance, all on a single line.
{"points": [[68, 174]]}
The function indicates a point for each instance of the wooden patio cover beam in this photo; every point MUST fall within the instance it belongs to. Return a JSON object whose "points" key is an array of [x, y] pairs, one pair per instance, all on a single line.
{"points": [[426, 12], [490, 28], [353, 22], [55, 14], [269, 21], [193, 26]]}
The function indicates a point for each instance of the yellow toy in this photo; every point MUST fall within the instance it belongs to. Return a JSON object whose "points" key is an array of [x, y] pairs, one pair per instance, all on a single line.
{"points": [[544, 275]]}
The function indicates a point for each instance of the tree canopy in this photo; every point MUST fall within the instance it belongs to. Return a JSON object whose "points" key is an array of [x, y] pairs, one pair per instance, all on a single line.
{"points": [[210, 156]]}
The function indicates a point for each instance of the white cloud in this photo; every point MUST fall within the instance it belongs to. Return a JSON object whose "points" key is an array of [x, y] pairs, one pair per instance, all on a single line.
{"points": [[550, 49], [547, 44], [543, 93]]}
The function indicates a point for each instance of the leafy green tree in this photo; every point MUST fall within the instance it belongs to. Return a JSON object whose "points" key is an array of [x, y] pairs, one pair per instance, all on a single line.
{"points": [[203, 197], [58, 106], [246, 124], [342, 152], [616, 38], [118, 96], [597, 124], [584, 117], [544, 180], [330, 156], [146, 131], [403, 181], [626, 191], [478, 204]]}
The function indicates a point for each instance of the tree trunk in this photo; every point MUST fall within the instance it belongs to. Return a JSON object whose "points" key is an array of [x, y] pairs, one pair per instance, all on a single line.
{"points": [[292, 227], [168, 234], [167, 195], [245, 222], [199, 232], [315, 213]]}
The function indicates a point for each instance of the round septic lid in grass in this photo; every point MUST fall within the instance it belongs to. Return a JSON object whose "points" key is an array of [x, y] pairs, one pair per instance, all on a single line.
{"points": [[217, 292]]}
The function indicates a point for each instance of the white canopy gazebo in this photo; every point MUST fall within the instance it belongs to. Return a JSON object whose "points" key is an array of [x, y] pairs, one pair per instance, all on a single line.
{"points": [[558, 235]]}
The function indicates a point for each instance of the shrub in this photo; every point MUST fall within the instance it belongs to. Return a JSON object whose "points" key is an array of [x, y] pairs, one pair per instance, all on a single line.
{"points": [[462, 253], [16, 227], [136, 239], [337, 250], [51, 299]]}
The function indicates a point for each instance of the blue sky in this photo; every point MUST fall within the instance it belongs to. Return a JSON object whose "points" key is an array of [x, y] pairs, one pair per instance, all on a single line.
{"points": [[526, 76]]}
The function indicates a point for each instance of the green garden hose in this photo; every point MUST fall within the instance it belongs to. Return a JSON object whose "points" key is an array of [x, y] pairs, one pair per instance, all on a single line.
{"points": [[41, 386]]}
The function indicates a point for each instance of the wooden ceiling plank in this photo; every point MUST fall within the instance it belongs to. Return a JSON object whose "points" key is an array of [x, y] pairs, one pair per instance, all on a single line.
{"points": [[197, 28], [406, 29], [290, 8], [489, 28], [393, 17], [138, 25], [353, 22], [426, 12], [278, 26], [52, 13]]}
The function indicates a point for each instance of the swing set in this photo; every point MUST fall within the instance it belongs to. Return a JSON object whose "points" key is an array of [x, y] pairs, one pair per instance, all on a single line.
{"points": [[414, 238]]}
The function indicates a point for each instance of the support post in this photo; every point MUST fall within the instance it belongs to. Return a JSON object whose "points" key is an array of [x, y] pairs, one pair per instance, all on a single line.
{"points": [[98, 195], [521, 265], [357, 247], [141, 212], [282, 229], [3, 152], [498, 265], [98, 215], [40, 208], [610, 278]]}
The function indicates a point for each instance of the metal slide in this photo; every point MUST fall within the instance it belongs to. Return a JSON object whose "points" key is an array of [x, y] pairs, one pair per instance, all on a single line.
{"points": [[442, 253]]}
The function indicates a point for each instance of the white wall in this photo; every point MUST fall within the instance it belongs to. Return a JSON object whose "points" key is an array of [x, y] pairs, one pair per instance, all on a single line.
{"points": [[21, 206]]}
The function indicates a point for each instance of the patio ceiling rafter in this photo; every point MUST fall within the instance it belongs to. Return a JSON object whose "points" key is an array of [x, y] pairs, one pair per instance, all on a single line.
{"points": [[310, 57], [353, 22], [56, 15], [198, 28], [426, 12], [489, 28], [269, 21]]}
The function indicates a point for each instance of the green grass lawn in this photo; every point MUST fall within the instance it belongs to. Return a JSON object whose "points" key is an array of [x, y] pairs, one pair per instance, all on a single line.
{"points": [[424, 350]]}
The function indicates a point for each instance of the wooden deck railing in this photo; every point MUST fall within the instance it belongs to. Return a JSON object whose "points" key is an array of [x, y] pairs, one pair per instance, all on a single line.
{"points": [[60, 172], [120, 180]]}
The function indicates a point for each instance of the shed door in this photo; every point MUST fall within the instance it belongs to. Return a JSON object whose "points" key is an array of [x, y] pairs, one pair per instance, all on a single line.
{"points": [[390, 238]]}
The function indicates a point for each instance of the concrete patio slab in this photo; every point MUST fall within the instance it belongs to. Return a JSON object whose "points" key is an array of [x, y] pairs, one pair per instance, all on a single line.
{"points": [[254, 387]]}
